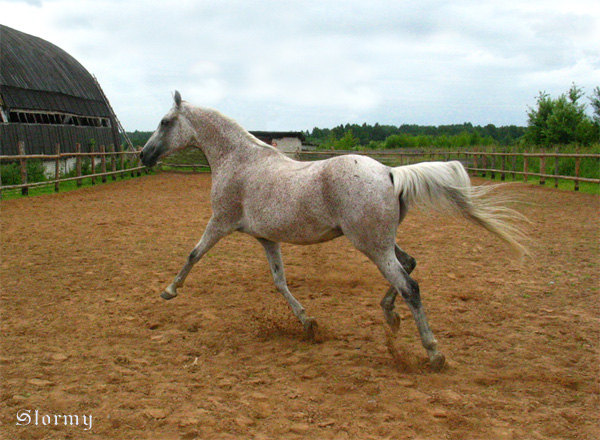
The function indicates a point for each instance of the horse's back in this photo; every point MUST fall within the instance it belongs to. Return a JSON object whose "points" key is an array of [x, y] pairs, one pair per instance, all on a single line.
{"points": [[310, 202]]}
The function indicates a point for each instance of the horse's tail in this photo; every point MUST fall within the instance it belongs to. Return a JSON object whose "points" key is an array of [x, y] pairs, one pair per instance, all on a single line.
{"points": [[445, 186]]}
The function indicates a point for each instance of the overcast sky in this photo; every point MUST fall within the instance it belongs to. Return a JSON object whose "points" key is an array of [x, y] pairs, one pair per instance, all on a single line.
{"points": [[292, 65]]}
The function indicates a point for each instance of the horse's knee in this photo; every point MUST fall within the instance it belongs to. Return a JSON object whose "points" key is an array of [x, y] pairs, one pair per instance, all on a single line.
{"points": [[411, 293]]}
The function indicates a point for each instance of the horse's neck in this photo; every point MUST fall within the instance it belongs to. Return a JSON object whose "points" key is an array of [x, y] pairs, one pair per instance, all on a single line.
{"points": [[228, 144]]}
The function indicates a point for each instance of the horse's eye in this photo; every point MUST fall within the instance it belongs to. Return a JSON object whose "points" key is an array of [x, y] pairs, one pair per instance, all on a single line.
{"points": [[164, 122]]}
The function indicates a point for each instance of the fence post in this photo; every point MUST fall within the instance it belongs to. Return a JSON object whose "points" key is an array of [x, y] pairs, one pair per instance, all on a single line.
{"points": [[103, 162], [503, 165], [138, 163], [78, 163], [113, 162], [493, 164], [556, 168], [23, 163], [122, 154], [93, 163], [525, 168], [485, 164], [130, 161], [57, 168], [577, 167], [542, 169], [514, 165]]}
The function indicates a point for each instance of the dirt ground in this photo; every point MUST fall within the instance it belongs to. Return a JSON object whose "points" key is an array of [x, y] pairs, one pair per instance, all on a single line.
{"points": [[84, 331]]}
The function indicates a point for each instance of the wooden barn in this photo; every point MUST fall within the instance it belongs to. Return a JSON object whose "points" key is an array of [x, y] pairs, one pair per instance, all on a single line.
{"points": [[48, 97]]}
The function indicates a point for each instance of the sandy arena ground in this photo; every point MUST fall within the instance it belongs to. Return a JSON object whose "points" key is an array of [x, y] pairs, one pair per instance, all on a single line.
{"points": [[85, 332]]}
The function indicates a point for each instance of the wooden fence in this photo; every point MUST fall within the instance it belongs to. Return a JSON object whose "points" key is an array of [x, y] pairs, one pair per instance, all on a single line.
{"points": [[476, 162], [104, 159], [481, 163]]}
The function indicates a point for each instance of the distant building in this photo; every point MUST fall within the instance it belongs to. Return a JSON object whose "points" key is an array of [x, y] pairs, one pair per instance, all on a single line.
{"points": [[48, 97], [286, 141]]}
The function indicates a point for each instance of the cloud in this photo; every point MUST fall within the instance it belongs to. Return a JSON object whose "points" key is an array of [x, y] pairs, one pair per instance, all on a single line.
{"points": [[292, 65], [29, 2]]}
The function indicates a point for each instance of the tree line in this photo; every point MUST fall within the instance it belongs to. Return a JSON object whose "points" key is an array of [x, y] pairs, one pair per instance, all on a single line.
{"points": [[351, 136], [551, 122], [563, 120]]}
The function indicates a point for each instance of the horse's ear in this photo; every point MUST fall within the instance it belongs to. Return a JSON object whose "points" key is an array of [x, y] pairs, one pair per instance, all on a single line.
{"points": [[177, 98]]}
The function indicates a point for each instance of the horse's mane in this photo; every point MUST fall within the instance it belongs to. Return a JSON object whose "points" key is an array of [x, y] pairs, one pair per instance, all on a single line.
{"points": [[229, 126]]}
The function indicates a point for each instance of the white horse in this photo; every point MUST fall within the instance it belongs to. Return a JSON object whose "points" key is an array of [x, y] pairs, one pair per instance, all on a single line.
{"points": [[258, 190]]}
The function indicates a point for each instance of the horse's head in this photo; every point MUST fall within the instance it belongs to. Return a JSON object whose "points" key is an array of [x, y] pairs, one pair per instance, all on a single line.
{"points": [[173, 134]]}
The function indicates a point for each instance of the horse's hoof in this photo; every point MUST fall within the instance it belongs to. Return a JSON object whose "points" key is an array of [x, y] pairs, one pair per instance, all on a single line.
{"points": [[393, 320], [166, 295], [310, 326], [437, 362]]}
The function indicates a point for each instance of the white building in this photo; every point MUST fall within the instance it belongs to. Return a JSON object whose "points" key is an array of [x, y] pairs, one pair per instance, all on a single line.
{"points": [[286, 141]]}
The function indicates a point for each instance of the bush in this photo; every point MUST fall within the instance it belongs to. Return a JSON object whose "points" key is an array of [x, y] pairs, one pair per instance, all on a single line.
{"points": [[561, 121], [11, 172]]}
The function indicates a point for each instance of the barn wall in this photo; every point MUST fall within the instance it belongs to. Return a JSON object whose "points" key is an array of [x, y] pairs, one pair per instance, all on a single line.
{"points": [[42, 138], [288, 144]]}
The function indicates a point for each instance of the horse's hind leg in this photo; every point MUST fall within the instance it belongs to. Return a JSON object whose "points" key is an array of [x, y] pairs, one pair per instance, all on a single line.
{"points": [[393, 271], [387, 303], [212, 234], [273, 251]]}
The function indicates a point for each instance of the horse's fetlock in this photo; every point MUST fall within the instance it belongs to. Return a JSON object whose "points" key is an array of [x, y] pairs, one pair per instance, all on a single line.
{"points": [[387, 303], [194, 256], [430, 346]]}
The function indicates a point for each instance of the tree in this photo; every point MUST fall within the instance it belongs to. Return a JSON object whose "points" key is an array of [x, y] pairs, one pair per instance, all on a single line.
{"points": [[347, 142], [537, 125], [560, 121], [595, 101]]}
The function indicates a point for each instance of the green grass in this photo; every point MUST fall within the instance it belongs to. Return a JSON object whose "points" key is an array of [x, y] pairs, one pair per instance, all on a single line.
{"points": [[566, 185], [187, 156], [589, 168], [64, 186], [201, 169]]}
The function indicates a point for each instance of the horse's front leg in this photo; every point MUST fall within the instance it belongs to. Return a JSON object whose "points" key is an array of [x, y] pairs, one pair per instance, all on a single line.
{"points": [[273, 251], [212, 234]]}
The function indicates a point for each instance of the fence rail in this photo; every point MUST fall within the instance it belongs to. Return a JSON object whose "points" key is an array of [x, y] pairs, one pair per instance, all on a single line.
{"points": [[476, 162], [97, 158]]}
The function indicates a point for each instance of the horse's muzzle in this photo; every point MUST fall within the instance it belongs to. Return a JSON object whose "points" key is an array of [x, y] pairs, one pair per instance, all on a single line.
{"points": [[149, 158]]}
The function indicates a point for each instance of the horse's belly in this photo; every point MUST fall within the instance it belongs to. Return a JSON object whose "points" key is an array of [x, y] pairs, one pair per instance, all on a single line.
{"points": [[293, 231], [301, 238], [313, 238]]}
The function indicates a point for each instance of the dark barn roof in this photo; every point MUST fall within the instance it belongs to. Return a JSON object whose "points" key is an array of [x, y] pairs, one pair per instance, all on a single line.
{"points": [[47, 96]]}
